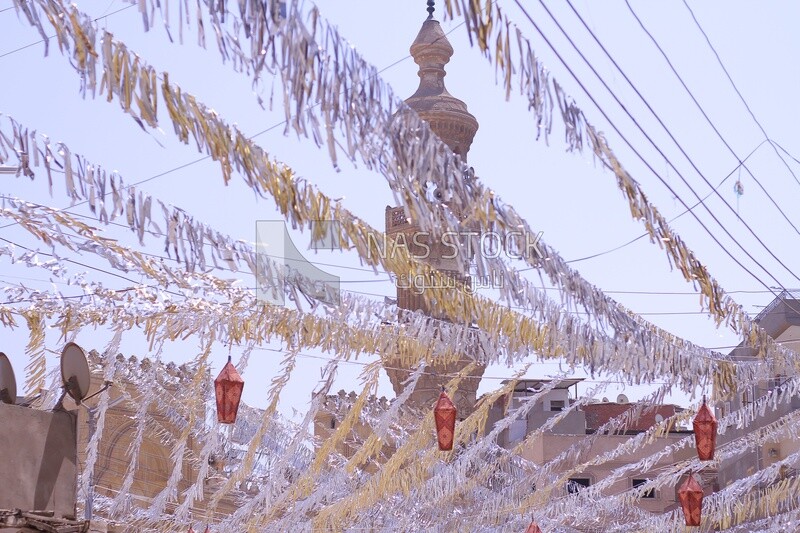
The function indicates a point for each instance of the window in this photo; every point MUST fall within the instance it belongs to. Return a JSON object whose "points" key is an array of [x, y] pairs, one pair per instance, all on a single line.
{"points": [[649, 493], [556, 405], [576, 484], [333, 423]]}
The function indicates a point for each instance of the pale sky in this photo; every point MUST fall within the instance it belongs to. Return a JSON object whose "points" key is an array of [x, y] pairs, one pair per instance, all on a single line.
{"points": [[575, 204]]}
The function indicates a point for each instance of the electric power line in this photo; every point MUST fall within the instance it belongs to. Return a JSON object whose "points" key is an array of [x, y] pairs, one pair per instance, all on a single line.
{"points": [[697, 103], [649, 166], [53, 36], [645, 234], [736, 89], [669, 162]]}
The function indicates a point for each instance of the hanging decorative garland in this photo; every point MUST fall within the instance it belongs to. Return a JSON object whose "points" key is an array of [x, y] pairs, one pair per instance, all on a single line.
{"points": [[337, 514], [616, 324]]}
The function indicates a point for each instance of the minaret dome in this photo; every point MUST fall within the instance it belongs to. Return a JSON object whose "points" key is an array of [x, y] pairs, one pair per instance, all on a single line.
{"points": [[447, 116]]}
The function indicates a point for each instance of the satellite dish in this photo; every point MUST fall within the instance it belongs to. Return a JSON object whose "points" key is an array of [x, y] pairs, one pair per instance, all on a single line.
{"points": [[75, 372], [659, 419], [605, 400], [8, 384], [622, 399]]}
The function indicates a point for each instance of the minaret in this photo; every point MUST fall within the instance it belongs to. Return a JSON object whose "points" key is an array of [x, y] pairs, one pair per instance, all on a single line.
{"points": [[449, 118], [447, 115]]}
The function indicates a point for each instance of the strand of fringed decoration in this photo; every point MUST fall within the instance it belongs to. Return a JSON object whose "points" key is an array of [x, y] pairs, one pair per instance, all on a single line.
{"points": [[542, 476], [100, 417], [665, 342], [486, 23], [418, 339], [146, 400], [741, 418], [138, 223], [359, 114], [470, 470]]}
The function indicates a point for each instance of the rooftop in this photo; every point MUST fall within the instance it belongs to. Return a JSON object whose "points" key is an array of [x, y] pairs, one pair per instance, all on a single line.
{"points": [[534, 383]]}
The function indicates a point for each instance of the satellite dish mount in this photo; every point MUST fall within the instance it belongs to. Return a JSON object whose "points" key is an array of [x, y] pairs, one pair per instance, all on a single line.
{"points": [[75, 375], [8, 384]]}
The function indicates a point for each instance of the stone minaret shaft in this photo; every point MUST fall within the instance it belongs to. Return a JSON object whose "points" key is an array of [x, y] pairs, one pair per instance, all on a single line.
{"points": [[450, 120]]}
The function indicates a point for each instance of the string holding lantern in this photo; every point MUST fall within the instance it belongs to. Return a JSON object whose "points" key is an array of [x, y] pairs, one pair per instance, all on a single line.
{"points": [[228, 390], [691, 497], [738, 189], [705, 432], [533, 527], [444, 414]]}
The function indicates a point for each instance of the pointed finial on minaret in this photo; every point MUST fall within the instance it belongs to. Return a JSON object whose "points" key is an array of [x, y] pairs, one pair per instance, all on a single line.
{"points": [[448, 116], [431, 8]]}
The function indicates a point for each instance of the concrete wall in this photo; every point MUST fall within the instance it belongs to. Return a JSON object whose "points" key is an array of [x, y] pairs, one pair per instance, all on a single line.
{"points": [[549, 446], [574, 423], [39, 458]]}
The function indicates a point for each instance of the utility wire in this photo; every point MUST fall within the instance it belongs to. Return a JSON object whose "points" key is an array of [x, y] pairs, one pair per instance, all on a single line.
{"points": [[775, 143], [52, 36], [685, 181], [645, 234], [696, 102], [78, 263], [203, 158], [735, 88], [646, 163]]}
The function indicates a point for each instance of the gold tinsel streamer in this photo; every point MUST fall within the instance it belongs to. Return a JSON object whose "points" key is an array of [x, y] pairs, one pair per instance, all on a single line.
{"points": [[37, 361], [289, 204], [481, 21], [278, 383], [484, 19]]}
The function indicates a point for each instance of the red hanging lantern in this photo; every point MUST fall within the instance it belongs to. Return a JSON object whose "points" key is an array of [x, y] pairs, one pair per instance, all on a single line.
{"points": [[533, 528], [445, 416], [228, 389], [705, 432], [691, 497]]}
